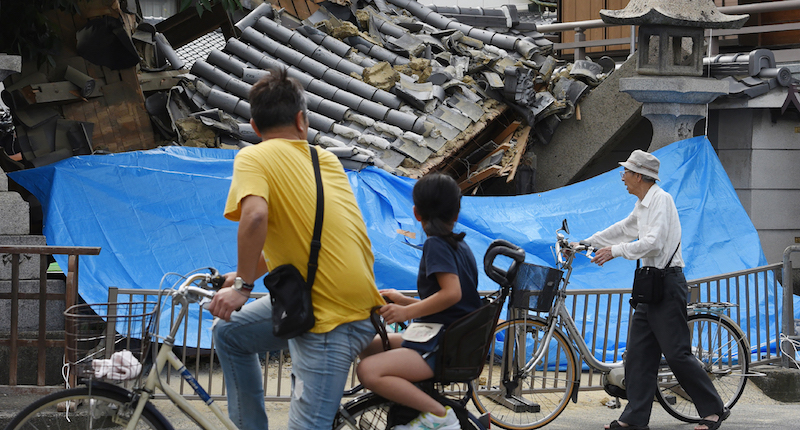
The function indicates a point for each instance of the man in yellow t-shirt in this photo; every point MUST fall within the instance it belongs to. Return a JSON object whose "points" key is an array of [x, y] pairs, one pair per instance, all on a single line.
{"points": [[273, 197]]}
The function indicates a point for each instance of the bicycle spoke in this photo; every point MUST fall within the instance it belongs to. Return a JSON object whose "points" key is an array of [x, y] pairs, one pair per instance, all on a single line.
{"points": [[529, 400], [725, 356]]}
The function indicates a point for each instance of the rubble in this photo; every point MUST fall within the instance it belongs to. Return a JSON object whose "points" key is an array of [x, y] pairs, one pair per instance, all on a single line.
{"points": [[395, 84], [437, 84]]}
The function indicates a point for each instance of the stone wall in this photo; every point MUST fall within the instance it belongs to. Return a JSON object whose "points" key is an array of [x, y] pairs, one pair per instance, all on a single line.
{"points": [[15, 231]]}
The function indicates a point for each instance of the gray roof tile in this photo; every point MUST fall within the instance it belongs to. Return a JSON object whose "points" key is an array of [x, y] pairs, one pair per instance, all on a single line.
{"points": [[410, 122]]}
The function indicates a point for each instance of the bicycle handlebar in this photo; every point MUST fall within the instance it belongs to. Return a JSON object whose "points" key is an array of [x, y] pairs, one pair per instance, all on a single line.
{"points": [[563, 246], [200, 286]]}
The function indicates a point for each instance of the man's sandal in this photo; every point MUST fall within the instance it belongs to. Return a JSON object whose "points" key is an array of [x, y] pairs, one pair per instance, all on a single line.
{"points": [[714, 425], [617, 426]]}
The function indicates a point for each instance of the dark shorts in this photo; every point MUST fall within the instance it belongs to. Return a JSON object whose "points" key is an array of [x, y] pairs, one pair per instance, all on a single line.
{"points": [[428, 350]]}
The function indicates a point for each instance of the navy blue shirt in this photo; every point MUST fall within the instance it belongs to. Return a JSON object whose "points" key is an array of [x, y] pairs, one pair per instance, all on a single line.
{"points": [[439, 257]]}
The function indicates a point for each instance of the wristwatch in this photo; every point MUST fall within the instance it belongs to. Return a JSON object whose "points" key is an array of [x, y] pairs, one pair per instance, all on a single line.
{"points": [[240, 284]]}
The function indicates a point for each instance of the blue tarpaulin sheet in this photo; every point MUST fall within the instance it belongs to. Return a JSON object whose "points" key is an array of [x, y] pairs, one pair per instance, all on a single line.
{"points": [[160, 211]]}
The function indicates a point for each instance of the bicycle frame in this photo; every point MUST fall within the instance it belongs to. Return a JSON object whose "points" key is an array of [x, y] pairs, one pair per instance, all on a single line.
{"points": [[558, 312], [531, 392], [560, 316], [164, 356]]}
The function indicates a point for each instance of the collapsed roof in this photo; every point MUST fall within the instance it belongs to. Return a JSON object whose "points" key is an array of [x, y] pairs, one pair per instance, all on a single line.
{"points": [[408, 88], [393, 84], [397, 84]]}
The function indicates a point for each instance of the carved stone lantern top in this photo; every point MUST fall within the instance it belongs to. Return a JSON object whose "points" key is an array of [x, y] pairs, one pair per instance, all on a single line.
{"points": [[670, 34], [683, 13]]}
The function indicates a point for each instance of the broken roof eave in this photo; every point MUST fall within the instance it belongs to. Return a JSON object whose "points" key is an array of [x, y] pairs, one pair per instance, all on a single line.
{"points": [[470, 138], [772, 99]]}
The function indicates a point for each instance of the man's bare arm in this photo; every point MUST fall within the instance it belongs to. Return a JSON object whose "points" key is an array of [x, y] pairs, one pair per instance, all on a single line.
{"points": [[250, 240], [251, 236]]}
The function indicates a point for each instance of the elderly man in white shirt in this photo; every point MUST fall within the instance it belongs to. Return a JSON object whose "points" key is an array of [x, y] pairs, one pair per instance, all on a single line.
{"points": [[652, 233]]}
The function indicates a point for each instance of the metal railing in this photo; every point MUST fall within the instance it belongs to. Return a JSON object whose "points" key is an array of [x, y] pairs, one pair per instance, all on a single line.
{"points": [[756, 291], [788, 322], [580, 43], [15, 296]]}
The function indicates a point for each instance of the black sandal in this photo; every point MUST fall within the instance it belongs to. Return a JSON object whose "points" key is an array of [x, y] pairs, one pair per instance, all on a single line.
{"points": [[616, 425], [714, 425]]}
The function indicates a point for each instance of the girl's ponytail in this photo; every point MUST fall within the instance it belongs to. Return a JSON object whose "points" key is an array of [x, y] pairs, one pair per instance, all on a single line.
{"points": [[454, 238], [437, 227]]}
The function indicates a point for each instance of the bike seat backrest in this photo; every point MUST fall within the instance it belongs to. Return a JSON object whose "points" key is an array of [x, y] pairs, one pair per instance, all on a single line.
{"points": [[465, 344]]}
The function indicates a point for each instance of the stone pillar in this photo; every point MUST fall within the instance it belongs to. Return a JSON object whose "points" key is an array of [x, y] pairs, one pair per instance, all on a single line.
{"points": [[15, 230], [673, 105], [669, 63]]}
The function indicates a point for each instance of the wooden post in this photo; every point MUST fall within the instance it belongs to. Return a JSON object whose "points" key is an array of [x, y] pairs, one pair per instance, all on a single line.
{"points": [[13, 350], [41, 347]]}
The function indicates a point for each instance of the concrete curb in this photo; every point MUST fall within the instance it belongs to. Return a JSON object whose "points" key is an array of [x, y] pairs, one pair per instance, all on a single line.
{"points": [[779, 383]]}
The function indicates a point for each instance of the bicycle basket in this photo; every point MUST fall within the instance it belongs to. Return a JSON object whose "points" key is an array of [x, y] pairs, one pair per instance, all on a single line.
{"points": [[535, 287], [108, 340]]}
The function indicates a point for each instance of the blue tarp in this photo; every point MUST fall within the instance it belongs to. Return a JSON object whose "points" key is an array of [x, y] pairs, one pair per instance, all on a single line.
{"points": [[160, 211]]}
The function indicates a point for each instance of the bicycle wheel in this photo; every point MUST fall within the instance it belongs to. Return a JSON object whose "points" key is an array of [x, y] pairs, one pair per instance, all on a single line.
{"points": [[724, 354], [92, 408], [528, 400], [372, 412]]}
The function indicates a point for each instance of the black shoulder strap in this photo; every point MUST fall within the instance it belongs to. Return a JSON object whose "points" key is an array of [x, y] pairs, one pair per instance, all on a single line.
{"points": [[673, 255], [316, 244]]}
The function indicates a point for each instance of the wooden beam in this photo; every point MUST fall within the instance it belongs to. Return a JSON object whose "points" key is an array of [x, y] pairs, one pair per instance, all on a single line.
{"points": [[522, 146], [505, 138], [505, 135], [503, 147], [287, 5], [479, 177]]}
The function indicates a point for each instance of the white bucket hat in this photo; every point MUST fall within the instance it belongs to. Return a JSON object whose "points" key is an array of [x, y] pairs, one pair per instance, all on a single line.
{"points": [[642, 162]]}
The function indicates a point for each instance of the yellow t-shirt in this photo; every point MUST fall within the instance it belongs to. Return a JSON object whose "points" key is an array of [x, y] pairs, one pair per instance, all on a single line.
{"points": [[280, 171]]}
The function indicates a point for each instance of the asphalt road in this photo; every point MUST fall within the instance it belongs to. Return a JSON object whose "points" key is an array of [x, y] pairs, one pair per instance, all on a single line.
{"points": [[753, 411], [745, 415]]}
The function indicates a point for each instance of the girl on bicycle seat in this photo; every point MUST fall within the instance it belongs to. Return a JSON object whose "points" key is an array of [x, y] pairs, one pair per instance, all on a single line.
{"points": [[447, 283]]}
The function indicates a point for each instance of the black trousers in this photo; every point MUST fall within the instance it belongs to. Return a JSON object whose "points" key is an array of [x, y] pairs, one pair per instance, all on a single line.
{"points": [[662, 328]]}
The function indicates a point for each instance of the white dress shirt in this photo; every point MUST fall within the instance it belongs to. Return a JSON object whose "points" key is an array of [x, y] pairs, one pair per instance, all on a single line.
{"points": [[654, 221]]}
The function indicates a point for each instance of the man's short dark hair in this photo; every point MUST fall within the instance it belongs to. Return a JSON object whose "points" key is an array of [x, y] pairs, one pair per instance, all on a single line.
{"points": [[275, 100]]}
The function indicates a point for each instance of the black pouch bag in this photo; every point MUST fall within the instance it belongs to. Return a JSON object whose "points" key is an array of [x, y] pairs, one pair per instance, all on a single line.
{"points": [[648, 283], [290, 294]]}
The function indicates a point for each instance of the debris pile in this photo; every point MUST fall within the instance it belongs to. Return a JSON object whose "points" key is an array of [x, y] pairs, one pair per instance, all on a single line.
{"points": [[400, 86], [390, 83]]}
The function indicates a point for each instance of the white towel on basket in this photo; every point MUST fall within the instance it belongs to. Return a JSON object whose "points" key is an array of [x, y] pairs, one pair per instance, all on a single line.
{"points": [[120, 367]]}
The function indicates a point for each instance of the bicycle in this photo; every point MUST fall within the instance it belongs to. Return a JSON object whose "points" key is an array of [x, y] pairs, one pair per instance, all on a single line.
{"points": [[462, 354], [96, 403], [540, 369], [100, 404]]}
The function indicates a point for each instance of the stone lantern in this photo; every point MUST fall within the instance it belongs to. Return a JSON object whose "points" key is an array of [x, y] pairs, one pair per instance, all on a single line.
{"points": [[670, 62]]}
